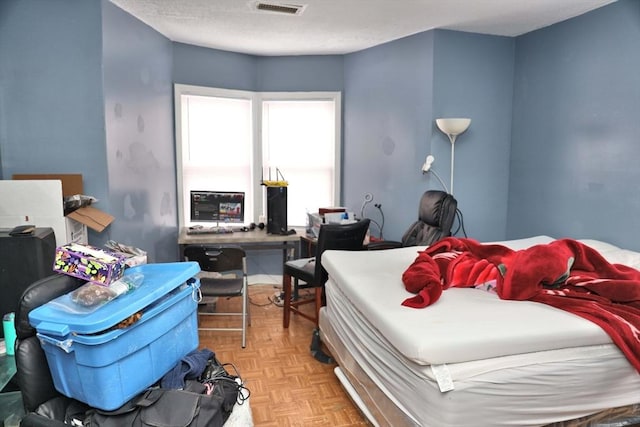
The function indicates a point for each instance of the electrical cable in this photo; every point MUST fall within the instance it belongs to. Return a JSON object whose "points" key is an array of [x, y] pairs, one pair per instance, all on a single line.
{"points": [[460, 223], [379, 206], [377, 225], [368, 198]]}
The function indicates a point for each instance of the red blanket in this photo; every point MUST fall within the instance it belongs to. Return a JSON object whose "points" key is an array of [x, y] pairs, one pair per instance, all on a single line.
{"points": [[564, 273]]}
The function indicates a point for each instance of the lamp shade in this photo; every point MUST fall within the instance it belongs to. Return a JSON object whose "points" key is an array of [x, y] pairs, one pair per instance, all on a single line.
{"points": [[453, 126]]}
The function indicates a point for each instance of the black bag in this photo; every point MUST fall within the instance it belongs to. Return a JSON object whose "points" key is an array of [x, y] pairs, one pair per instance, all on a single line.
{"points": [[221, 383], [164, 407], [205, 402]]}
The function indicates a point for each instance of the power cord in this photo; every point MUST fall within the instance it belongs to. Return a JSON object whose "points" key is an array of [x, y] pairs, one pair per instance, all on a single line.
{"points": [[368, 198], [460, 223]]}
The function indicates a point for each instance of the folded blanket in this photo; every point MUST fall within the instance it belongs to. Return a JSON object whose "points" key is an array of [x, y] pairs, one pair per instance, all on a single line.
{"points": [[565, 274]]}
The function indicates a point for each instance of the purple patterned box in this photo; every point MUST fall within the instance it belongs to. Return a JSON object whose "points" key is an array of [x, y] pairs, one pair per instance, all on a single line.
{"points": [[89, 263]]}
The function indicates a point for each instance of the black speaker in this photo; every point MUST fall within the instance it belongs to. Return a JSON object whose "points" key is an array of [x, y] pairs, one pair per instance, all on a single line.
{"points": [[23, 260], [277, 210]]}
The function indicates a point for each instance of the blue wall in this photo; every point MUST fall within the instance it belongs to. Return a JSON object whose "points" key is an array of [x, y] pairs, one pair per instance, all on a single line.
{"points": [[565, 164], [474, 78], [576, 129], [200, 66], [51, 109], [387, 123], [138, 99], [300, 73], [394, 92]]}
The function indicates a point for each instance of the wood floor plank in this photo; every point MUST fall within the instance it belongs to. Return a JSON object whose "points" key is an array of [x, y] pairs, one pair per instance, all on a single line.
{"points": [[288, 386]]}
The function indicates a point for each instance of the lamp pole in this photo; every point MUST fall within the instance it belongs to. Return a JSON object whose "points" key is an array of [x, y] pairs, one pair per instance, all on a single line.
{"points": [[452, 138]]}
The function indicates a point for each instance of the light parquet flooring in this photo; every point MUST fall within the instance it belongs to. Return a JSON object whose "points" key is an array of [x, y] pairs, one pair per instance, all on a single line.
{"points": [[288, 386]]}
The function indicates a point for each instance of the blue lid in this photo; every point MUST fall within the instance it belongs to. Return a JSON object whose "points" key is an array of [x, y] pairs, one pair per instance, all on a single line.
{"points": [[159, 279]]}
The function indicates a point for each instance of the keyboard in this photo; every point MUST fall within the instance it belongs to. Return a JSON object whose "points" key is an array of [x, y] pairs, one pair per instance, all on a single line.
{"points": [[209, 230]]}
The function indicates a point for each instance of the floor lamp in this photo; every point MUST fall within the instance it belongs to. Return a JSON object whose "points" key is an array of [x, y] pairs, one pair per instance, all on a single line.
{"points": [[452, 128]]}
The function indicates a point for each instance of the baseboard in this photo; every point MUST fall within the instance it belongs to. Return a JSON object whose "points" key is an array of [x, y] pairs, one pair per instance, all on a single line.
{"points": [[265, 279]]}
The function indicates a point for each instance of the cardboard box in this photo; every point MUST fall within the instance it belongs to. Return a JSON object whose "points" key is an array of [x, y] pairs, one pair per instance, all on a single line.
{"points": [[92, 361], [89, 263], [71, 182], [38, 199]]}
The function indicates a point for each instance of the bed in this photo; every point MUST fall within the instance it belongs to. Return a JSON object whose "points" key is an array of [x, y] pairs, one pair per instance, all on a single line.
{"points": [[471, 359]]}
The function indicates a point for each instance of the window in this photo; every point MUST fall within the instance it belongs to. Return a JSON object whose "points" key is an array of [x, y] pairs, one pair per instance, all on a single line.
{"points": [[299, 138], [231, 140]]}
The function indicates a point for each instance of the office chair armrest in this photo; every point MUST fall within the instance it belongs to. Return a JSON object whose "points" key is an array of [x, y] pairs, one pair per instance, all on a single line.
{"points": [[383, 244]]}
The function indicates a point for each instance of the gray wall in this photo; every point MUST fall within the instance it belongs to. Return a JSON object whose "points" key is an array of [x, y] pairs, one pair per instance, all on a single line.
{"points": [[576, 129]]}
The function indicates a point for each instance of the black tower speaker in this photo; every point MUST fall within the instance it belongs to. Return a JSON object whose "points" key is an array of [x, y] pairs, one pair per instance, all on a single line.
{"points": [[23, 260], [277, 210]]}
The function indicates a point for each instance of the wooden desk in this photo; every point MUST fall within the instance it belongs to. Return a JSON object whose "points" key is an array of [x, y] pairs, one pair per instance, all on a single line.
{"points": [[308, 246], [249, 240]]}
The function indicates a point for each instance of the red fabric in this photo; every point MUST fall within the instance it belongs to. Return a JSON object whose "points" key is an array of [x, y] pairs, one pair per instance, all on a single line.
{"points": [[565, 274]]}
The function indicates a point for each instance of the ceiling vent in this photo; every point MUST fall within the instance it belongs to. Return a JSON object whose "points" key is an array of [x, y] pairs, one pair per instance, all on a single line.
{"points": [[287, 9]]}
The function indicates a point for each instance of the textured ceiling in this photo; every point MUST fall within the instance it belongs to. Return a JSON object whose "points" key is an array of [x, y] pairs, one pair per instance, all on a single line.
{"points": [[341, 26]]}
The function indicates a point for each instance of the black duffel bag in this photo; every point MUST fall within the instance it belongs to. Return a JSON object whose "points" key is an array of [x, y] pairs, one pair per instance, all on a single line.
{"points": [[167, 408], [204, 399]]}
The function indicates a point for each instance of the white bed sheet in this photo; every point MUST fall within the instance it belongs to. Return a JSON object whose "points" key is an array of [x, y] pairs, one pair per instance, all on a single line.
{"points": [[509, 364], [491, 327]]}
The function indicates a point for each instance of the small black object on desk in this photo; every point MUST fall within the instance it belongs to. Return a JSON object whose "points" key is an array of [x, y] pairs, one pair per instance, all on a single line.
{"points": [[23, 230]]}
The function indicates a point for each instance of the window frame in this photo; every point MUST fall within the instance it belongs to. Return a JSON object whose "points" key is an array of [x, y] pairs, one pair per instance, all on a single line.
{"points": [[258, 197]]}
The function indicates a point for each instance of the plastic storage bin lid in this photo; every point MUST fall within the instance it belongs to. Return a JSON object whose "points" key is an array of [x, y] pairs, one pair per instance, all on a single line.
{"points": [[159, 279]]}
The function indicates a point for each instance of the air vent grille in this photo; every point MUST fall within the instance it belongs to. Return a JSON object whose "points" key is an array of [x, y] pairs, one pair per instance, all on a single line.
{"points": [[288, 9]]}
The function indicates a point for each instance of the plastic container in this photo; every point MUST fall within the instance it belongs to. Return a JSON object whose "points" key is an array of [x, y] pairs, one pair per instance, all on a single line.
{"points": [[12, 420], [94, 362], [9, 329]]}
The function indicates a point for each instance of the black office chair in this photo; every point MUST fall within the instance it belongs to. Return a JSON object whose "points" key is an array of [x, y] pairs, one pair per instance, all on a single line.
{"points": [[310, 270], [43, 405], [230, 265], [436, 214]]}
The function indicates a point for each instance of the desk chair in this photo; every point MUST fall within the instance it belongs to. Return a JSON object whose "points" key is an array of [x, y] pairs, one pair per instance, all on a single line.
{"points": [[231, 264], [436, 213], [43, 405], [310, 270]]}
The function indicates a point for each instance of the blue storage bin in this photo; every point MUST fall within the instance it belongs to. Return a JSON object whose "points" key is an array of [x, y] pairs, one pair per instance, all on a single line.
{"points": [[106, 367]]}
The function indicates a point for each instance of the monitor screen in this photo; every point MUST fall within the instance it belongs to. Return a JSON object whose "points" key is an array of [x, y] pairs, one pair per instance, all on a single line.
{"points": [[217, 206]]}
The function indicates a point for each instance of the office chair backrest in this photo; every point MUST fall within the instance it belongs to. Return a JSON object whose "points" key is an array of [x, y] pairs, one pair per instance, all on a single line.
{"points": [[216, 259], [435, 218], [349, 237], [33, 375]]}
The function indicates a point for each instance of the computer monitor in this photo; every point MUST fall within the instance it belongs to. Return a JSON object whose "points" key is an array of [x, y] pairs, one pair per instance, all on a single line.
{"points": [[217, 206]]}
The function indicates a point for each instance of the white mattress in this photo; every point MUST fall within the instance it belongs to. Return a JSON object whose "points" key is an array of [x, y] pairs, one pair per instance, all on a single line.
{"points": [[470, 356]]}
